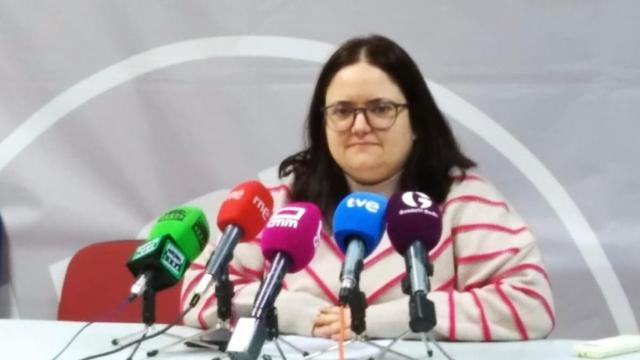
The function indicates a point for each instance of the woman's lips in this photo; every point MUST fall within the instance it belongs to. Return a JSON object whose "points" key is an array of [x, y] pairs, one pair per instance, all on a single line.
{"points": [[365, 143]]}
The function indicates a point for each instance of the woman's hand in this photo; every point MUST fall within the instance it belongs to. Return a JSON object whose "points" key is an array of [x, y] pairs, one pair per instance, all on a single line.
{"points": [[327, 323]]}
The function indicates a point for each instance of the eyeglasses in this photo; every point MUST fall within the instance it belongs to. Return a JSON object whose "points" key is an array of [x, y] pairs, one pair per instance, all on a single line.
{"points": [[380, 114]]}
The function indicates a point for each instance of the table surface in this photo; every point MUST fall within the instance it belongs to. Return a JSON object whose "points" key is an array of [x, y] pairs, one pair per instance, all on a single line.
{"points": [[43, 339]]}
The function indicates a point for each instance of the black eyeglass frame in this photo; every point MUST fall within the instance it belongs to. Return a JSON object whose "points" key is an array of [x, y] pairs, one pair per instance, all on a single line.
{"points": [[369, 105]]}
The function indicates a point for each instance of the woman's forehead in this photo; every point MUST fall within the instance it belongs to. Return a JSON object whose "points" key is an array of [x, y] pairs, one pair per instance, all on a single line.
{"points": [[362, 82]]}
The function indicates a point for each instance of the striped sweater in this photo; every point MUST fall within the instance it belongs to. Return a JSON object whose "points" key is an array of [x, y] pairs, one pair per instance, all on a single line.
{"points": [[489, 282]]}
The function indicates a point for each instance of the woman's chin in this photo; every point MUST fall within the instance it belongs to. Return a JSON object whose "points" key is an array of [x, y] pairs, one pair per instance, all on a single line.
{"points": [[366, 174]]}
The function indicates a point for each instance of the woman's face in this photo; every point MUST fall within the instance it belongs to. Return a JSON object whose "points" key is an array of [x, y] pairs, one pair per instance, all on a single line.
{"points": [[367, 155]]}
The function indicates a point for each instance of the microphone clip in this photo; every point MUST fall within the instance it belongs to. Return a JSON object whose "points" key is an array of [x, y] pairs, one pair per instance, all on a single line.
{"points": [[349, 285], [224, 294], [406, 282], [357, 302], [422, 313]]}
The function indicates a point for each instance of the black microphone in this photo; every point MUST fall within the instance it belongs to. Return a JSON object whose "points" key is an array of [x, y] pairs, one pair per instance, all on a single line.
{"points": [[414, 226]]}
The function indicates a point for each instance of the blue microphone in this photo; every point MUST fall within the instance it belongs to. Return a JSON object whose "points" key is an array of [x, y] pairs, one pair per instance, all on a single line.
{"points": [[358, 225]]}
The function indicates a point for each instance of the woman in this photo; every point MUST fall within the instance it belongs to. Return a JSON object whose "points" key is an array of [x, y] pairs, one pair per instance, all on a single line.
{"points": [[374, 126]]}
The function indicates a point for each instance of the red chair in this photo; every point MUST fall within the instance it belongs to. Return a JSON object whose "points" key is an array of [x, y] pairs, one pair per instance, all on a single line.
{"points": [[97, 281]]}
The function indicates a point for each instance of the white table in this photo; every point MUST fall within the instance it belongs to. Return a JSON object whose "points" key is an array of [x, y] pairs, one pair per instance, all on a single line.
{"points": [[42, 339]]}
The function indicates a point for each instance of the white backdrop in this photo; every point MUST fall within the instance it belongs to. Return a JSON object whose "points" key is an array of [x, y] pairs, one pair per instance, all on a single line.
{"points": [[112, 112]]}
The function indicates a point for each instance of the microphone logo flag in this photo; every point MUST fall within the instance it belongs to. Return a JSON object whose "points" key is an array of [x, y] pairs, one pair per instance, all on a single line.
{"points": [[412, 198], [201, 231], [173, 260], [287, 217], [419, 203], [262, 207], [173, 215], [146, 248], [236, 195]]}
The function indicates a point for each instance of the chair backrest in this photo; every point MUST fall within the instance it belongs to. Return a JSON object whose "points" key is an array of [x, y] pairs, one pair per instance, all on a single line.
{"points": [[97, 281]]}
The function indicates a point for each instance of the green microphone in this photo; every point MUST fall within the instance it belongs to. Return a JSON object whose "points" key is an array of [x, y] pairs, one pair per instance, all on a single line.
{"points": [[175, 240]]}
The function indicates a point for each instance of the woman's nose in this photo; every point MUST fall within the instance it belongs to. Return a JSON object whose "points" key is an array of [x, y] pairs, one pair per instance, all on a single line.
{"points": [[360, 122]]}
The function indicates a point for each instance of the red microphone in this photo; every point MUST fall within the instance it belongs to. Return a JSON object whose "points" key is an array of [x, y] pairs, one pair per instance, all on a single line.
{"points": [[242, 216], [248, 207]]}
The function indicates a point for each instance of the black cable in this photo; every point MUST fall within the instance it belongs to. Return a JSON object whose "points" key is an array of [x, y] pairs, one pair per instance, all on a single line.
{"points": [[135, 349], [158, 333], [109, 316], [72, 339]]}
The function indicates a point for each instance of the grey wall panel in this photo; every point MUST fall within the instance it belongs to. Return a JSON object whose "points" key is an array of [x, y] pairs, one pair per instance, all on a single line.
{"points": [[562, 78]]}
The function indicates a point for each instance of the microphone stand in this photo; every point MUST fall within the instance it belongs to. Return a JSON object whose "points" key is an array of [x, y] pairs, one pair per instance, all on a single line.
{"points": [[423, 318], [221, 332], [273, 335], [262, 324], [148, 318], [357, 302]]}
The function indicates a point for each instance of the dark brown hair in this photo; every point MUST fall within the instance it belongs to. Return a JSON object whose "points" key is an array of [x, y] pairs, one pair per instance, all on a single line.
{"points": [[435, 152]]}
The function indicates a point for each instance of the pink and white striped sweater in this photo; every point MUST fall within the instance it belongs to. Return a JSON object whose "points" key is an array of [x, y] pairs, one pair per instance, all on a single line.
{"points": [[489, 282]]}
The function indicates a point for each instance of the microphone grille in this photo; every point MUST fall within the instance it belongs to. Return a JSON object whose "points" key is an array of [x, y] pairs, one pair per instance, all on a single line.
{"points": [[295, 231], [413, 216], [249, 206]]}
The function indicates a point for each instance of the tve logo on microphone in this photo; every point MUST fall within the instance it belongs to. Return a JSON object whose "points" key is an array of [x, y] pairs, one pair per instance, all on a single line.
{"points": [[287, 217], [370, 205]]}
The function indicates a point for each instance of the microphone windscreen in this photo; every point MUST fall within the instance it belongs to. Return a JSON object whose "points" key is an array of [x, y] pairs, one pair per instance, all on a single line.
{"points": [[360, 214], [187, 225], [295, 231], [413, 216], [248, 206]]}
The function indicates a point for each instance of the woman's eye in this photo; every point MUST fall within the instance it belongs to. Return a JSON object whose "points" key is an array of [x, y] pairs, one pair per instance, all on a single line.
{"points": [[341, 111], [381, 109]]}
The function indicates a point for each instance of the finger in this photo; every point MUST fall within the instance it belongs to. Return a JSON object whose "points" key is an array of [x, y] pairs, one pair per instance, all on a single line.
{"points": [[321, 320], [338, 315], [324, 319], [329, 310], [322, 331], [333, 328], [336, 310]]}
